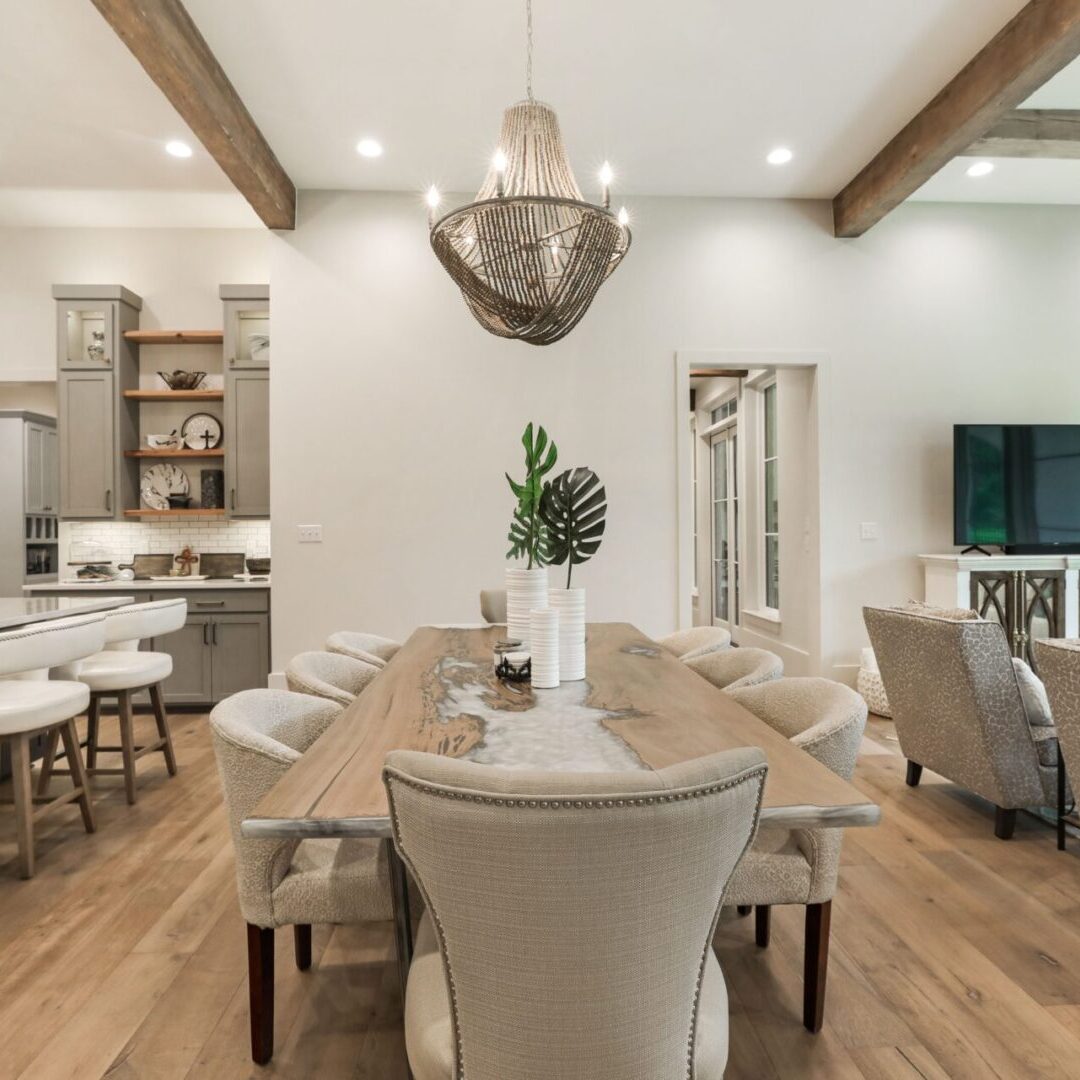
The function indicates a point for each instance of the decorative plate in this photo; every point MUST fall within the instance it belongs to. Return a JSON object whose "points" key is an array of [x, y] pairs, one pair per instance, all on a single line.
{"points": [[161, 481], [201, 431]]}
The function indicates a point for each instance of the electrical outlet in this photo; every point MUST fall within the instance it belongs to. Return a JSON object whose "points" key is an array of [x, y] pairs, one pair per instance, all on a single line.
{"points": [[309, 534], [868, 530]]}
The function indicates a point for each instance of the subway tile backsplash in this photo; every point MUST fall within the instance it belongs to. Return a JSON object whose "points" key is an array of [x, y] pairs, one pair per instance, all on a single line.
{"points": [[123, 539]]}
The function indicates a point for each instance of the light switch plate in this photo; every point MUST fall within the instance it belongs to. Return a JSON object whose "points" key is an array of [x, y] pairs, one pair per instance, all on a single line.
{"points": [[309, 534], [868, 530]]}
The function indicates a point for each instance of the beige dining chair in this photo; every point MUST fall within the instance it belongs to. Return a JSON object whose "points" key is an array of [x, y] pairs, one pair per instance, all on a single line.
{"points": [[493, 605], [800, 866], [696, 641], [258, 735], [729, 669], [118, 672], [1059, 666], [31, 704], [334, 676], [570, 916], [371, 648]]}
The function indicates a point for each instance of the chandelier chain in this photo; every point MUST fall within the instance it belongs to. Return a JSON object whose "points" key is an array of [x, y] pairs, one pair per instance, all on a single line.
{"points": [[528, 49]]}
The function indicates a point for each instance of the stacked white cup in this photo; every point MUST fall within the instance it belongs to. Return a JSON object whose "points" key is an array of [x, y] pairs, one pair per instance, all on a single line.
{"points": [[570, 604], [544, 647]]}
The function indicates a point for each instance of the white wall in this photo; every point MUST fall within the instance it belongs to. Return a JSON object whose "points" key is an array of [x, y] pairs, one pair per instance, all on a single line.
{"points": [[394, 414], [175, 271]]}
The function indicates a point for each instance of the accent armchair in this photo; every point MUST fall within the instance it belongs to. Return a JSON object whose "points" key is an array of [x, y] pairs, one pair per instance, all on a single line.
{"points": [[696, 641], [728, 669], [371, 648], [328, 675], [956, 703], [1059, 666]]}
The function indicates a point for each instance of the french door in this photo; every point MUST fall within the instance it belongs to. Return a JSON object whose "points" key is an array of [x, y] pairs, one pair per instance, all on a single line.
{"points": [[725, 528]]}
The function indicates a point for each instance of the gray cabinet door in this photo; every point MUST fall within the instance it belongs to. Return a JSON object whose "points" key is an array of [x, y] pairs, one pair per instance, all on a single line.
{"points": [[86, 444], [51, 467], [241, 646], [190, 647], [35, 498], [247, 443], [86, 334]]}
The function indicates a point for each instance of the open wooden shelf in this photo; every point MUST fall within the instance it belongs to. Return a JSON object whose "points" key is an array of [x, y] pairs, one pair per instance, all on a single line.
{"points": [[219, 452], [190, 512], [175, 395], [175, 337]]}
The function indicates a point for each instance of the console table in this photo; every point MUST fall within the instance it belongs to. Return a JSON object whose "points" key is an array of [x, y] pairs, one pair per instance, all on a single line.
{"points": [[1032, 596]]}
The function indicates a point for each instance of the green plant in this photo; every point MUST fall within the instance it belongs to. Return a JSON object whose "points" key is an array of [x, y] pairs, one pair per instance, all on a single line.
{"points": [[573, 508], [528, 533]]}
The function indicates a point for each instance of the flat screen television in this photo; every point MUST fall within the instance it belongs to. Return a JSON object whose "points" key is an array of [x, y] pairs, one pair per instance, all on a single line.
{"points": [[1017, 486]]}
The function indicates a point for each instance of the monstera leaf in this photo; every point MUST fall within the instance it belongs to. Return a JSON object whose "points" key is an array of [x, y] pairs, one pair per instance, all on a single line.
{"points": [[573, 507], [528, 533]]}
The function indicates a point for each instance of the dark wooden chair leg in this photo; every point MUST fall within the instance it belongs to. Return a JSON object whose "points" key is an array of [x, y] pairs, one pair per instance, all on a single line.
{"points": [[743, 910], [1004, 823], [127, 743], [914, 773], [260, 942], [162, 718], [24, 802], [1060, 800], [816, 964], [762, 925], [93, 720], [302, 945], [70, 735]]}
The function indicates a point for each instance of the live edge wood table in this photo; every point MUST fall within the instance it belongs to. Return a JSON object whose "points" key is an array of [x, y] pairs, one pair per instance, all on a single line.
{"points": [[638, 708]]}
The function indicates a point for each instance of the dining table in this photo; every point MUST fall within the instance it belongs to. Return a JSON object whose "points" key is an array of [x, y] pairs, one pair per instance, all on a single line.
{"points": [[639, 707]]}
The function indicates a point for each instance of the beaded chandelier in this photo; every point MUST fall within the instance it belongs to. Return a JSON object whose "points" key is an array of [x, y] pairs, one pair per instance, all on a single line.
{"points": [[530, 253]]}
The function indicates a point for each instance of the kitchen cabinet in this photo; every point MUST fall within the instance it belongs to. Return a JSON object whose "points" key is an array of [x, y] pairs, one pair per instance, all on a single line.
{"points": [[247, 428], [247, 326], [190, 681], [87, 444], [40, 469]]}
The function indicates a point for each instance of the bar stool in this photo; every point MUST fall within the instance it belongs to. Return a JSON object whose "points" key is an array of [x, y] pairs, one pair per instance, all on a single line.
{"points": [[32, 704], [119, 671]]}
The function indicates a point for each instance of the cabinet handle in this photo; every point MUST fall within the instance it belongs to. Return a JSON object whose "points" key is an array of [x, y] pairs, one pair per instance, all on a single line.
{"points": [[232, 499], [213, 633], [206, 633], [108, 500], [232, 361], [209, 603]]}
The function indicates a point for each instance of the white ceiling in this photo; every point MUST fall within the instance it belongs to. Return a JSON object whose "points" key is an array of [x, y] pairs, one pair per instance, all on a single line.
{"points": [[684, 98]]}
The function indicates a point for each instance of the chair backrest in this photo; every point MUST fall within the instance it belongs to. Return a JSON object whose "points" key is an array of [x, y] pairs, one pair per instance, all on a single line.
{"points": [[1059, 668], [371, 648], [32, 650], [127, 626], [330, 675], [729, 669], [493, 605], [696, 641], [956, 703], [573, 911], [257, 735]]}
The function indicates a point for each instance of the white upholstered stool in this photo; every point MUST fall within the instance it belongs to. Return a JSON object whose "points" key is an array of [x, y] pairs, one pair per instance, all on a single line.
{"points": [[31, 704], [119, 671]]}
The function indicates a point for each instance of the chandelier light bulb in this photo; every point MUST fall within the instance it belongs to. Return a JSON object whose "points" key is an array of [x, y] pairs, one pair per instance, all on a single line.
{"points": [[606, 176], [499, 161], [433, 198], [624, 216]]}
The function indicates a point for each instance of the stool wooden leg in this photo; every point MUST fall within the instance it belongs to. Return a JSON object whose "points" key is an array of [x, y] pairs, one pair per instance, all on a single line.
{"points": [[93, 717], [260, 942], [162, 718], [78, 773], [24, 803], [127, 743], [48, 760]]}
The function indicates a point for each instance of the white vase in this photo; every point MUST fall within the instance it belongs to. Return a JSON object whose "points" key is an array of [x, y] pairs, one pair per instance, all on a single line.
{"points": [[544, 647], [570, 604], [526, 590]]}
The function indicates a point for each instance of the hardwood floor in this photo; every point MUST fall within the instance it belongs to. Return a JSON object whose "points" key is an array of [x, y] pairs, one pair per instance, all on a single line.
{"points": [[953, 954]]}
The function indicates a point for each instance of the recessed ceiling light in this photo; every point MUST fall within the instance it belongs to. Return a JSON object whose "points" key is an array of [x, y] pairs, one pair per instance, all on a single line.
{"points": [[369, 148], [780, 156], [980, 168], [178, 148]]}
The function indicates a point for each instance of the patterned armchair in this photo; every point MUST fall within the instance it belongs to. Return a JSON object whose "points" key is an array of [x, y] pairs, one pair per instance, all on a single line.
{"points": [[1059, 666], [958, 709]]}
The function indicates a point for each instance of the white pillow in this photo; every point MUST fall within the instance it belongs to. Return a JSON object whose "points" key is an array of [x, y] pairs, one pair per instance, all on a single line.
{"points": [[1033, 693]]}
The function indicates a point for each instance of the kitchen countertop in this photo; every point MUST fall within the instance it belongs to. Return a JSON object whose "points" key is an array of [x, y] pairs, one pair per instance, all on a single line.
{"points": [[144, 585], [22, 610]]}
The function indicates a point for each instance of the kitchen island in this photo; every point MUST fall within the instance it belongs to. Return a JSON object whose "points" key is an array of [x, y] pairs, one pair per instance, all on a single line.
{"points": [[23, 610]]}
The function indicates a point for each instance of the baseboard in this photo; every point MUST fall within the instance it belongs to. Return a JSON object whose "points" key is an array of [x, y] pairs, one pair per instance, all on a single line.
{"points": [[276, 681]]}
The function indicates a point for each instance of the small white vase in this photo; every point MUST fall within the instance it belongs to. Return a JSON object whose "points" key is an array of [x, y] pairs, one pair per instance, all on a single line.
{"points": [[570, 604], [544, 647], [526, 591]]}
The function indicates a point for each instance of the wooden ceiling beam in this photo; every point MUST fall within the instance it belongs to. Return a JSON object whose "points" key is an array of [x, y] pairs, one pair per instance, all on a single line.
{"points": [[1035, 45], [1031, 133], [163, 38]]}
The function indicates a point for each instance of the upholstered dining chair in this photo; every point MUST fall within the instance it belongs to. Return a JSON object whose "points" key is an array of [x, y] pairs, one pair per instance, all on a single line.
{"points": [[1059, 667], [258, 735], [800, 866], [957, 706], [329, 675], [119, 671], [371, 648], [728, 669], [696, 641], [493, 605], [32, 703], [570, 916]]}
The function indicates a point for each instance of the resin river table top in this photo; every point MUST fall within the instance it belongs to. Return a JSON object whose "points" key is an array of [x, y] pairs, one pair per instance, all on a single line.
{"points": [[639, 707]]}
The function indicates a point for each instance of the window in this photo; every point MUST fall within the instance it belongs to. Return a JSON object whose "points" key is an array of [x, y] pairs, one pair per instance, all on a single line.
{"points": [[770, 464], [725, 545], [725, 409]]}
